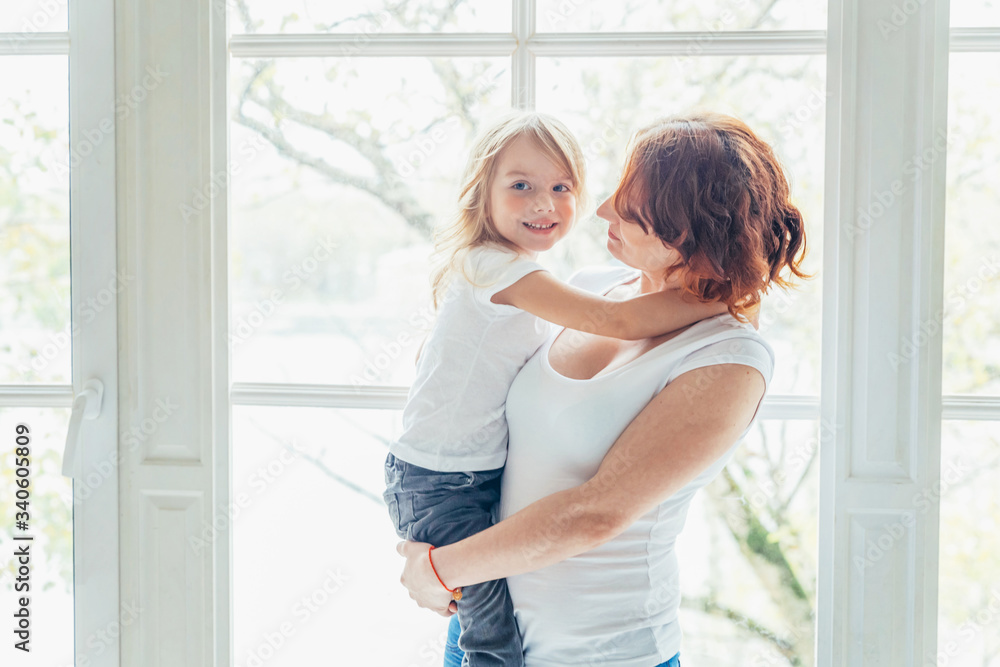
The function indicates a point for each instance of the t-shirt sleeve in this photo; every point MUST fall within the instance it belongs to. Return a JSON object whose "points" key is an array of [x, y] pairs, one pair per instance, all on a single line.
{"points": [[745, 350], [491, 270]]}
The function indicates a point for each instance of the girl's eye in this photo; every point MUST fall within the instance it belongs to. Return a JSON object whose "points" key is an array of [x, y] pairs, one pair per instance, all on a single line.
{"points": [[561, 188], [520, 185]]}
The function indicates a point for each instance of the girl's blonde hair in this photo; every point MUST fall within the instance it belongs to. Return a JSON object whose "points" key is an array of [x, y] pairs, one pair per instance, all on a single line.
{"points": [[472, 226]]}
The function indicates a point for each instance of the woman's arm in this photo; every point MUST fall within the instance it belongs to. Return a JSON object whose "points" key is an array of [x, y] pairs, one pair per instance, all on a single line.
{"points": [[683, 430], [646, 316]]}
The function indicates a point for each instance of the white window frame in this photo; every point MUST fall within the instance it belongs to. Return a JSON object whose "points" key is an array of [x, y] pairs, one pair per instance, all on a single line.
{"points": [[89, 45], [179, 312], [93, 265]]}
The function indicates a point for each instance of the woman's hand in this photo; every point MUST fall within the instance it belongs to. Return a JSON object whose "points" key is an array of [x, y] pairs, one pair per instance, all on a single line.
{"points": [[420, 580]]}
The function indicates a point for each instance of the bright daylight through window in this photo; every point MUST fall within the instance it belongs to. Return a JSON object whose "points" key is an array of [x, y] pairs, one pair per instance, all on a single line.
{"points": [[349, 124]]}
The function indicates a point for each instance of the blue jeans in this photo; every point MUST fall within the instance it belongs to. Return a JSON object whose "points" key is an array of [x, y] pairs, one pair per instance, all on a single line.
{"points": [[444, 507], [453, 654]]}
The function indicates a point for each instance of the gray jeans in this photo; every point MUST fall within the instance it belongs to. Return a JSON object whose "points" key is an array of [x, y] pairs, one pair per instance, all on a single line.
{"points": [[444, 507]]}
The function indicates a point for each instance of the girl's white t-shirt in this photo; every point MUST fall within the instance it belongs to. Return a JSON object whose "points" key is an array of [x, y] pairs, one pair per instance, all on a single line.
{"points": [[454, 415], [616, 604]]}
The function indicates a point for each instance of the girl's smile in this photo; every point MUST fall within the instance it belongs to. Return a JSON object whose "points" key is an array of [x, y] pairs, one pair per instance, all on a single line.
{"points": [[532, 199]]}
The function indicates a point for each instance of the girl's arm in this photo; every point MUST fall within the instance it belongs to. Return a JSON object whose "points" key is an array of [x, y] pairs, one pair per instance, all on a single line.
{"points": [[683, 430], [646, 316]]}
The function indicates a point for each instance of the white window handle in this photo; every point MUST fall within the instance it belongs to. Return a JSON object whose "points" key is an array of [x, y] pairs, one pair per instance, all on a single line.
{"points": [[86, 405]]}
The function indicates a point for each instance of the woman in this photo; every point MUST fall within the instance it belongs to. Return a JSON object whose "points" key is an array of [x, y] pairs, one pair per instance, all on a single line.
{"points": [[610, 439]]}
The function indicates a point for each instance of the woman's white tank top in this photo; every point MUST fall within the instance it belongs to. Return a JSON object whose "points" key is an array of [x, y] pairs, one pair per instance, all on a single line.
{"points": [[616, 604]]}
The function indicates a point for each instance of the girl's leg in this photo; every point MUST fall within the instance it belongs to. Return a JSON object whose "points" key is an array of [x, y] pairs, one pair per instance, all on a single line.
{"points": [[489, 635], [673, 662], [452, 654], [446, 507]]}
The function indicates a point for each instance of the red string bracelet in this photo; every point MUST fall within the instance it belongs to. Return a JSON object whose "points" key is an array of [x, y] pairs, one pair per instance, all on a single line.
{"points": [[455, 593]]}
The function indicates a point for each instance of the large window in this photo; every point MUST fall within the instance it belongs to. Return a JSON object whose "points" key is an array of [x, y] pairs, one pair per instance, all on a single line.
{"points": [[350, 123], [59, 287], [969, 591], [35, 341], [346, 125]]}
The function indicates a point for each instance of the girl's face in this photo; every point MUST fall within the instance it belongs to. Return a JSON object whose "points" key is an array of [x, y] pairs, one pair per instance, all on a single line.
{"points": [[628, 243], [532, 199]]}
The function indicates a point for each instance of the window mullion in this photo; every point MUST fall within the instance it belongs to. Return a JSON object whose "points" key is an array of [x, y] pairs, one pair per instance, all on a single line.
{"points": [[775, 406], [350, 45], [523, 58], [982, 40], [780, 406], [971, 408], [728, 43], [36, 396], [34, 43]]}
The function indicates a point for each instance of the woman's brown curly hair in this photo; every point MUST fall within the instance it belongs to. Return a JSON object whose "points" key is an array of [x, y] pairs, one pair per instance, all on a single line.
{"points": [[708, 187]]}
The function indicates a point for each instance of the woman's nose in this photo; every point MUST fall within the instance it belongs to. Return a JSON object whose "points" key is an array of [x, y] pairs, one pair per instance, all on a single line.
{"points": [[604, 209]]}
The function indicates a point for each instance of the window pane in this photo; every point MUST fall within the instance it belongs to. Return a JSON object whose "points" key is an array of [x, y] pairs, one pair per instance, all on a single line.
{"points": [[685, 15], [969, 584], [604, 100], [30, 16], [333, 206], [50, 524], [975, 13], [972, 246], [367, 17], [748, 553], [34, 220], [308, 482], [757, 522]]}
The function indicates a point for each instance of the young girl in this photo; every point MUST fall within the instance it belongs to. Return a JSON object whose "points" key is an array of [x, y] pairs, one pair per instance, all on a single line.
{"points": [[519, 196]]}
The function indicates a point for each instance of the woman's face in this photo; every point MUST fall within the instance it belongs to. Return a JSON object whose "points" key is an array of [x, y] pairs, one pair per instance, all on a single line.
{"points": [[628, 243]]}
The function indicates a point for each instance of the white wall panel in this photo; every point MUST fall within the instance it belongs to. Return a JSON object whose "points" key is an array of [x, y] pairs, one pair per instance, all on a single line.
{"points": [[172, 578], [172, 59], [882, 547], [887, 72]]}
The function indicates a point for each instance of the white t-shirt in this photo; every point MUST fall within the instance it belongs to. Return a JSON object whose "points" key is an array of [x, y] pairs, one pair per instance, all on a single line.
{"points": [[616, 604], [454, 415]]}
